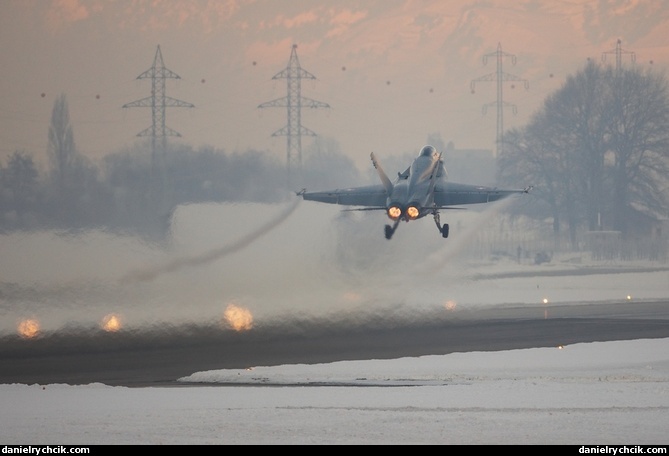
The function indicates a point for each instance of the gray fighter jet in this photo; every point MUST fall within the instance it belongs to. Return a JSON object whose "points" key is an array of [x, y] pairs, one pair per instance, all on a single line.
{"points": [[420, 190]]}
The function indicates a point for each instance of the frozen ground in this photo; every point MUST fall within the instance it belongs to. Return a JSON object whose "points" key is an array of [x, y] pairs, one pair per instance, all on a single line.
{"points": [[604, 393]]}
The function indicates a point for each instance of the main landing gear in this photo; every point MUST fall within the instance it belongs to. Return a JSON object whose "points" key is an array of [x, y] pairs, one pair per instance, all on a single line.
{"points": [[442, 229], [390, 230]]}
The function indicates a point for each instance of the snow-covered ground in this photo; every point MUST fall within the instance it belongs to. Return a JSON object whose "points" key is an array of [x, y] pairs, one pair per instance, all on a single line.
{"points": [[602, 393]]}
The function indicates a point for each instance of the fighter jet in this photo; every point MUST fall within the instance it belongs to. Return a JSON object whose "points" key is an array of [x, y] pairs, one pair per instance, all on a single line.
{"points": [[420, 190]]}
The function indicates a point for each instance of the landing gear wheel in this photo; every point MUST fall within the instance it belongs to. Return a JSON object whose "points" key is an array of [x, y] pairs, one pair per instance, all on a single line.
{"points": [[442, 229], [390, 230]]}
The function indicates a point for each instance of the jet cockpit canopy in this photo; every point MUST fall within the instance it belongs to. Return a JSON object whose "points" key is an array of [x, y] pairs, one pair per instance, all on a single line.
{"points": [[428, 151]]}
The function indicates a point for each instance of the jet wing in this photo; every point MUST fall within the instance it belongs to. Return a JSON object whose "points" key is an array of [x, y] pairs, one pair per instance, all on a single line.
{"points": [[453, 194], [370, 196]]}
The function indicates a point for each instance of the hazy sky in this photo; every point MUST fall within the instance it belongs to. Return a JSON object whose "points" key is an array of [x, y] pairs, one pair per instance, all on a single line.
{"points": [[393, 71]]}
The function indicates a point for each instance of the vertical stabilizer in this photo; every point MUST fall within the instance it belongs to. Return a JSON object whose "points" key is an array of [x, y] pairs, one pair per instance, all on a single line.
{"points": [[384, 177]]}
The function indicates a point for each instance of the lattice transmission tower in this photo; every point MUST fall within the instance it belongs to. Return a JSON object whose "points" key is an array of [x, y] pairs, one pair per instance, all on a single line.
{"points": [[619, 56], [500, 77], [158, 102], [294, 102]]}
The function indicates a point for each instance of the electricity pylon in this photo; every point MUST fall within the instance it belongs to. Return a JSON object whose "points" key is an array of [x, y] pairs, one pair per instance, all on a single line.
{"points": [[619, 56], [500, 76], [294, 102], [158, 101]]}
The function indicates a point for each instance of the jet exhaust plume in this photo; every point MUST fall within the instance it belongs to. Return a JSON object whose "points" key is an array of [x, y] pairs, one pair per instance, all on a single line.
{"points": [[208, 257], [448, 253]]}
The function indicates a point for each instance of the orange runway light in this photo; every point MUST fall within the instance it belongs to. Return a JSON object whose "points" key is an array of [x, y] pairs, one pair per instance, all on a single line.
{"points": [[28, 328], [111, 323], [450, 305], [238, 318]]}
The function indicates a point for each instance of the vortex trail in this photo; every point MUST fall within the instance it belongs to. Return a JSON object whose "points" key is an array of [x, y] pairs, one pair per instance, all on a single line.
{"points": [[213, 255]]}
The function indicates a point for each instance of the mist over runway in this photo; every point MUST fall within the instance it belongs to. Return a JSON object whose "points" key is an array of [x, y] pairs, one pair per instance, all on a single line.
{"points": [[309, 282], [276, 260], [216, 254]]}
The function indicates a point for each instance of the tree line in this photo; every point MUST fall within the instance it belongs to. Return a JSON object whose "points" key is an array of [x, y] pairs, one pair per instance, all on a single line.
{"points": [[136, 189]]}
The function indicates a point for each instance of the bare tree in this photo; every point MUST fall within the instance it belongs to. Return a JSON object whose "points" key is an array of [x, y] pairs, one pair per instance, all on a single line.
{"points": [[603, 140], [21, 181], [639, 141], [576, 120], [78, 199], [61, 149], [61, 152]]}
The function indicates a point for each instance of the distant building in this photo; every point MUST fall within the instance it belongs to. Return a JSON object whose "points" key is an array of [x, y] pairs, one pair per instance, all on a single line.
{"points": [[473, 166], [647, 237], [645, 223]]}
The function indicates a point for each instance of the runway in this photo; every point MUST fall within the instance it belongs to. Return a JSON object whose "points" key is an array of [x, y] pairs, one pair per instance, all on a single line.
{"points": [[313, 297], [160, 356]]}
